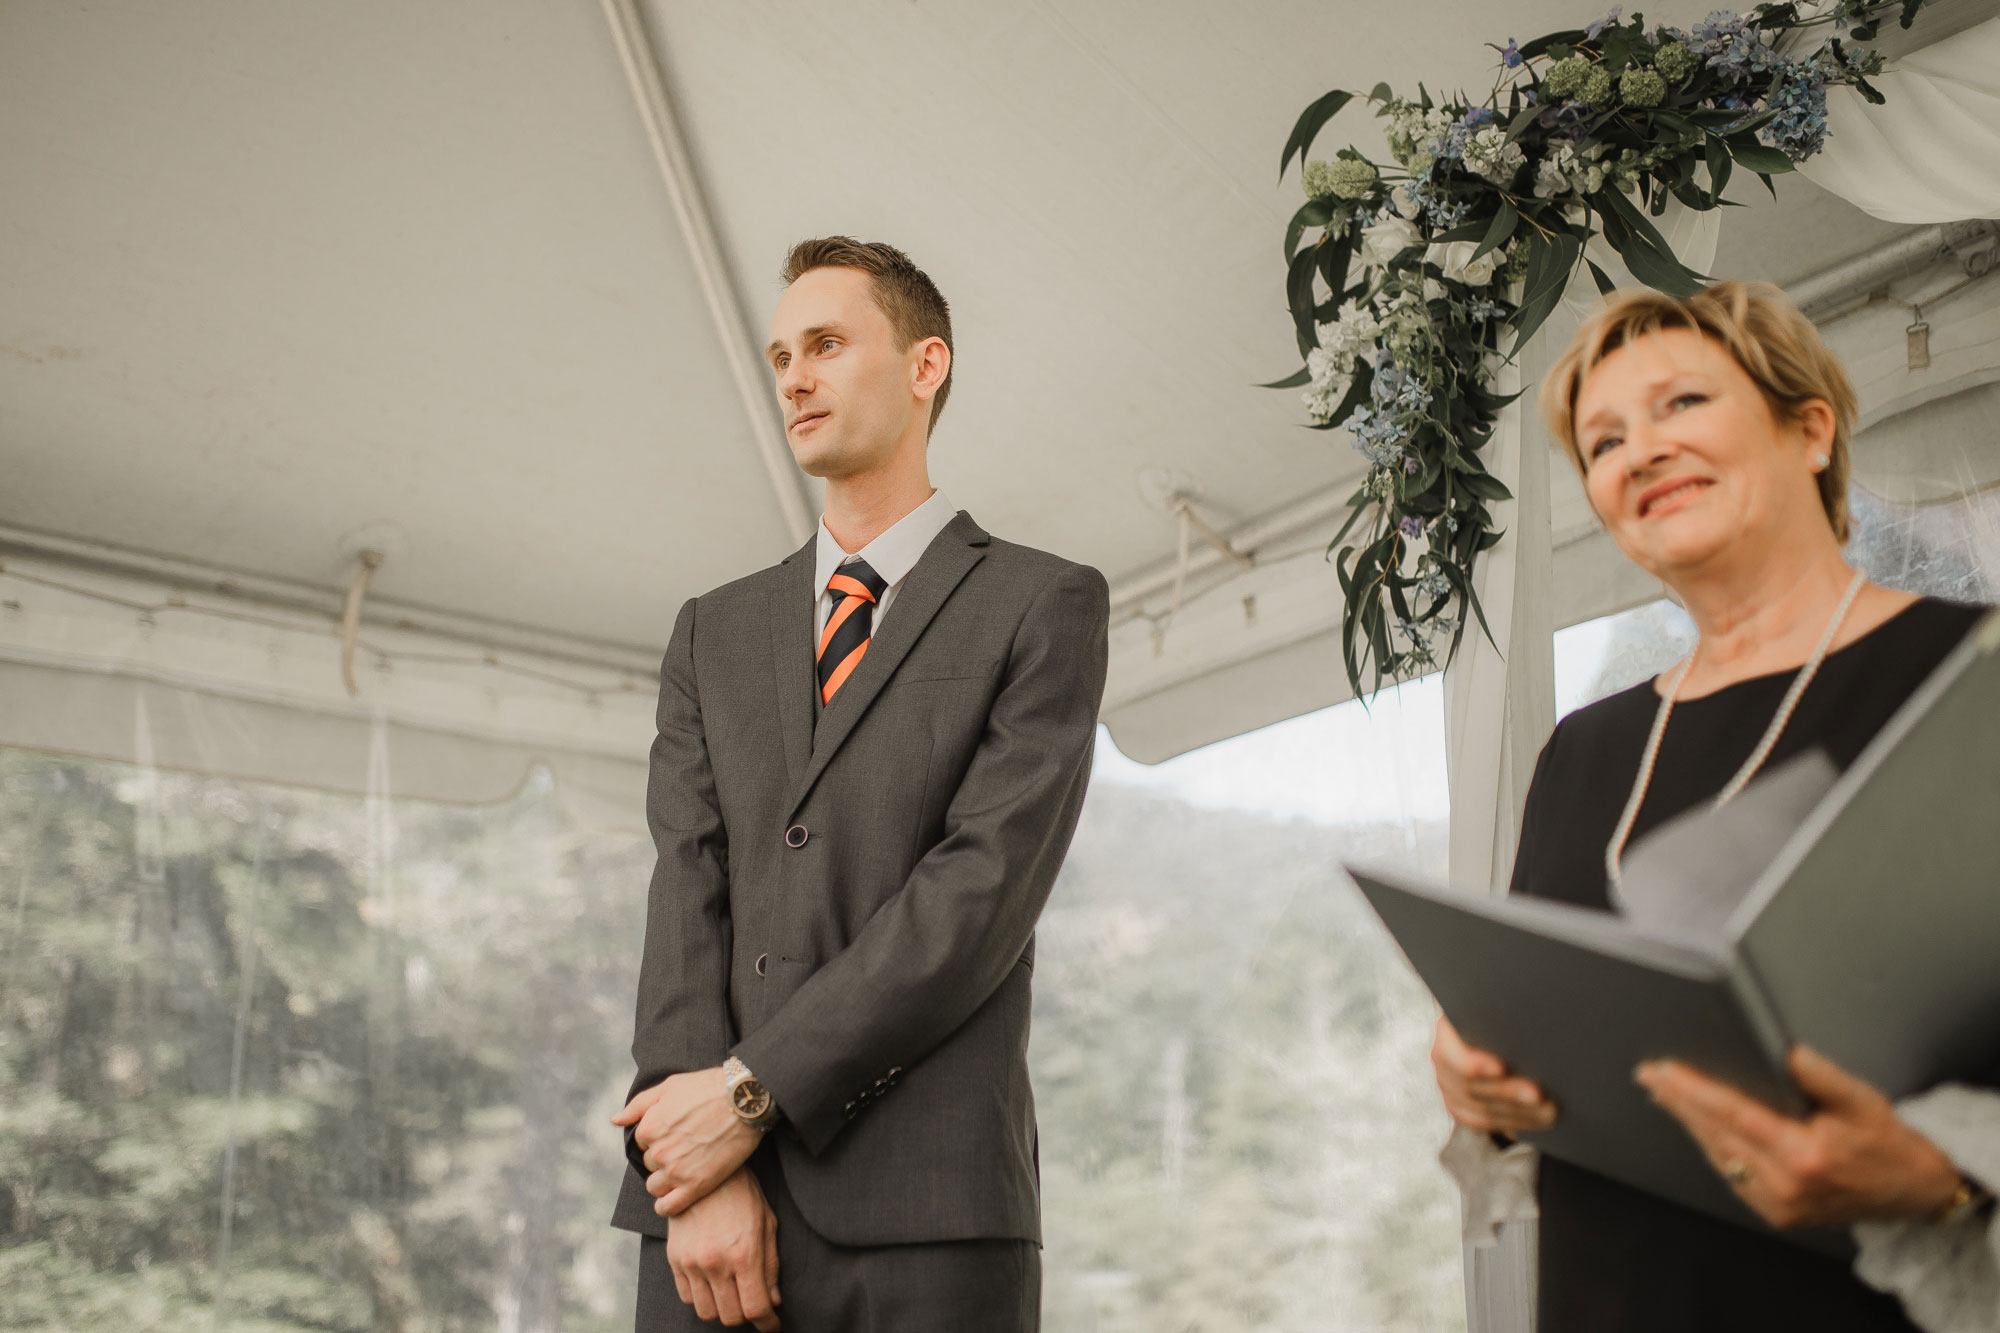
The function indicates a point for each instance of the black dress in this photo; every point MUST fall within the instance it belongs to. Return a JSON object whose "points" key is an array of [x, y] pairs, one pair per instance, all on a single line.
{"points": [[1613, 1257]]}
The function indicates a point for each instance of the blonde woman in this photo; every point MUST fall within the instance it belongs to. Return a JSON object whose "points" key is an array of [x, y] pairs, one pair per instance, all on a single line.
{"points": [[1712, 438]]}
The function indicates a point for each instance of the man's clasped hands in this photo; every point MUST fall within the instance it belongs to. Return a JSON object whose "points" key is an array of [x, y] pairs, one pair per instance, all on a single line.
{"points": [[723, 1242]]}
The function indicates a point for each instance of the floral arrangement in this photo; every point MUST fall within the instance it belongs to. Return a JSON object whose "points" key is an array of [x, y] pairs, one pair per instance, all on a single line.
{"points": [[1406, 277]]}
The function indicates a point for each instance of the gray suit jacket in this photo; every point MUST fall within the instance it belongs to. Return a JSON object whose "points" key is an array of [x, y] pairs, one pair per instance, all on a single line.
{"points": [[876, 976]]}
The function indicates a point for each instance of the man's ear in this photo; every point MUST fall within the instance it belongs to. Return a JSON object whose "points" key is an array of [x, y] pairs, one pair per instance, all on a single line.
{"points": [[932, 364]]}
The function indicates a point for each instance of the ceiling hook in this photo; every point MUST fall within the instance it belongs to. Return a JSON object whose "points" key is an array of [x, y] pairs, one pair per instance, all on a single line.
{"points": [[350, 615]]}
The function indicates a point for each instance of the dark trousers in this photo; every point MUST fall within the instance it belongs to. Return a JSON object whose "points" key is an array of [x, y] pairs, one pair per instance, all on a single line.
{"points": [[966, 1286]]}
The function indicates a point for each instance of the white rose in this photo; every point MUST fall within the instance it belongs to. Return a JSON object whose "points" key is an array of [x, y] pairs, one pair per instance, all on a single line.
{"points": [[1404, 200], [1386, 238], [1458, 264], [1433, 290]]}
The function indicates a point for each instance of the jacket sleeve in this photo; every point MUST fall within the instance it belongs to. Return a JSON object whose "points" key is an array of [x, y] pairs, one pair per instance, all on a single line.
{"points": [[682, 1021], [940, 947]]}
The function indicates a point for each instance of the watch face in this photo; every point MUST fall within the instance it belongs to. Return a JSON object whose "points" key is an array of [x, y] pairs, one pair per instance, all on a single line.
{"points": [[750, 1099]]}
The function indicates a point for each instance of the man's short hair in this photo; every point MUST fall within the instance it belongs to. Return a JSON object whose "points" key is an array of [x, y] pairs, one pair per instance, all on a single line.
{"points": [[905, 293]]}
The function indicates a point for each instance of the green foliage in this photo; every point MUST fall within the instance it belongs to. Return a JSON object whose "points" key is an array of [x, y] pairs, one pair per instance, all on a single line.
{"points": [[1238, 1127], [1466, 242], [432, 1037]]}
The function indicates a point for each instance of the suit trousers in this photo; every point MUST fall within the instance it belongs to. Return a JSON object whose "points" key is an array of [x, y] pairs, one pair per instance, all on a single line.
{"points": [[968, 1286]]}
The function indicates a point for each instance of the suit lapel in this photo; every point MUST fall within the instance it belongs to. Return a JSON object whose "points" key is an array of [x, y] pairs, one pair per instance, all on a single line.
{"points": [[943, 567], [794, 609]]}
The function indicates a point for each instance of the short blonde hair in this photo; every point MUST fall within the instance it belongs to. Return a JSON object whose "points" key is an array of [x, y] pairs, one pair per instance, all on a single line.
{"points": [[1778, 348]]}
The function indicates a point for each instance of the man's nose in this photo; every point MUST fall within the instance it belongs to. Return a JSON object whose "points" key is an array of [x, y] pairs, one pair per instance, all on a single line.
{"points": [[793, 381]]}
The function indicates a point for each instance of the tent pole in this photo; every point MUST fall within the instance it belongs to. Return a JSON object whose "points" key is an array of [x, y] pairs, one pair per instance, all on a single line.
{"points": [[640, 56]]}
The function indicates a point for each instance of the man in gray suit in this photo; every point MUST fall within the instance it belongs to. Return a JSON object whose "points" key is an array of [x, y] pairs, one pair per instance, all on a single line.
{"points": [[869, 765]]}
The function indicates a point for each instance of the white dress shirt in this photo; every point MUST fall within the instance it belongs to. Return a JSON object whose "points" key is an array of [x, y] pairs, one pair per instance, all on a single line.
{"points": [[892, 555]]}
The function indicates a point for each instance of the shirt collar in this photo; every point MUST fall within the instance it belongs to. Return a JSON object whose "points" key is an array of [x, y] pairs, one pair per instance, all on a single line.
{"points": [[895, 552]]}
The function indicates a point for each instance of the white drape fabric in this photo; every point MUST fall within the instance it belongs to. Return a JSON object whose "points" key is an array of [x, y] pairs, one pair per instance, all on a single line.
{"points": [[1931, 152], [1499, 710], [1499, 707]]}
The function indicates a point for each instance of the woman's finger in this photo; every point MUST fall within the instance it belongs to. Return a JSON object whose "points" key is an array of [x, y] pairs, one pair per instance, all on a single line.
{"points": [[1831, 1086], [1506, 1091], [1510, 1117], [1451, 1052], [1708, 1108]]}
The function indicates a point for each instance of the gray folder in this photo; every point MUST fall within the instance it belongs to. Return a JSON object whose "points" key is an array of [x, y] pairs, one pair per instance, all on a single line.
{"points": [[1864, 922]]}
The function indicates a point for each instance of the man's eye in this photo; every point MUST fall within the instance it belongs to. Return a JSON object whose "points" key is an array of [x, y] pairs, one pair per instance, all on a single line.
{"points": [[782, 362], [826, 344]]}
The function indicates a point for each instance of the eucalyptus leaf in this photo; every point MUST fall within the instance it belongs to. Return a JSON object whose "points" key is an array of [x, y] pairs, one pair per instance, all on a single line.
{"points": [[1541, 45], [1719, 166], [1503, 226], [1299, 290], [1758, 156], [1315, 213], [1297, 378], [1336, 252], [1315, 116], [1485, 485]]}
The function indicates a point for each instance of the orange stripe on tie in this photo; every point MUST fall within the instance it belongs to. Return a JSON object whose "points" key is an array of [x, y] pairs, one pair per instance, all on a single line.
{"points": [[853, 587], [848, 606], [843, 671]]}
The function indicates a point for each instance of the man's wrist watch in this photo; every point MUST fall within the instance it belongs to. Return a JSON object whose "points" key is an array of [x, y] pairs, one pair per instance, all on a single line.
{"points": [[750, 1099]]}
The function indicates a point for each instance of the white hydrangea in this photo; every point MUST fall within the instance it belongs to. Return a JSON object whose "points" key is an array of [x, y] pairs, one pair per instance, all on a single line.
{"points": [[1412, 130], [1327, 386], [1406, 324], [1352, 335], [1550, 179], [1565, 170], [1488, 154]]}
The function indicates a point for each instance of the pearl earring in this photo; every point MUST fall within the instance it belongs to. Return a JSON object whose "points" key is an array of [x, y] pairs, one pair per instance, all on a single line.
{"points": [[1823, 461]]}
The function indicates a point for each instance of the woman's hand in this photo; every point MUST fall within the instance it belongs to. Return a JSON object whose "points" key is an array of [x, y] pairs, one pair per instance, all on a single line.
{"points": [[1478, 1092], [1852, 1160]]}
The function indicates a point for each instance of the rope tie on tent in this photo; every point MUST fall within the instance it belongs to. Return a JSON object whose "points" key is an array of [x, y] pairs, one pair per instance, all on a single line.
{"points": [[1190, 524], [350, 616]]}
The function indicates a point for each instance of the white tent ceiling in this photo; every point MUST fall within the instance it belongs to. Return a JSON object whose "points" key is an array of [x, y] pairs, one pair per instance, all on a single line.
{"points": [[286, 280]]}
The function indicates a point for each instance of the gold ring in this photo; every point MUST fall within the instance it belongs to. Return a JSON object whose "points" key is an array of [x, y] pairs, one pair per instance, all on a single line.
{"points": [[1736, 1171]]}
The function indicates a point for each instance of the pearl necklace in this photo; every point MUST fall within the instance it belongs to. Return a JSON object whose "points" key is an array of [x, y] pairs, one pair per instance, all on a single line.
{"points": [[1616, 849]]}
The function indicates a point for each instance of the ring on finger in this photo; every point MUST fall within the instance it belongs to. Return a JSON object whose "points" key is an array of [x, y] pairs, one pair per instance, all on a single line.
{"points": [[1737, 1171]]}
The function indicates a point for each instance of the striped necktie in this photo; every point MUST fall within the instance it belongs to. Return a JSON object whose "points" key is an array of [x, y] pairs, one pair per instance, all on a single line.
{"points": [[855, 589]]}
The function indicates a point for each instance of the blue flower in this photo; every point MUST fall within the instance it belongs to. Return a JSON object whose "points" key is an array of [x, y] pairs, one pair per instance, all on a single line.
{"points": [[1609, 20], [1563, 121], [1732, 47], [1510, 54], [1412, 465], [1477, 116], [1412, 526], [1798, 95]]}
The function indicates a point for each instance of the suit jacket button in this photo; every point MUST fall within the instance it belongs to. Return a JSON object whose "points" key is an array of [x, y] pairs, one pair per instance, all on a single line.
{"points": [[762, 958], [796, 836]]}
